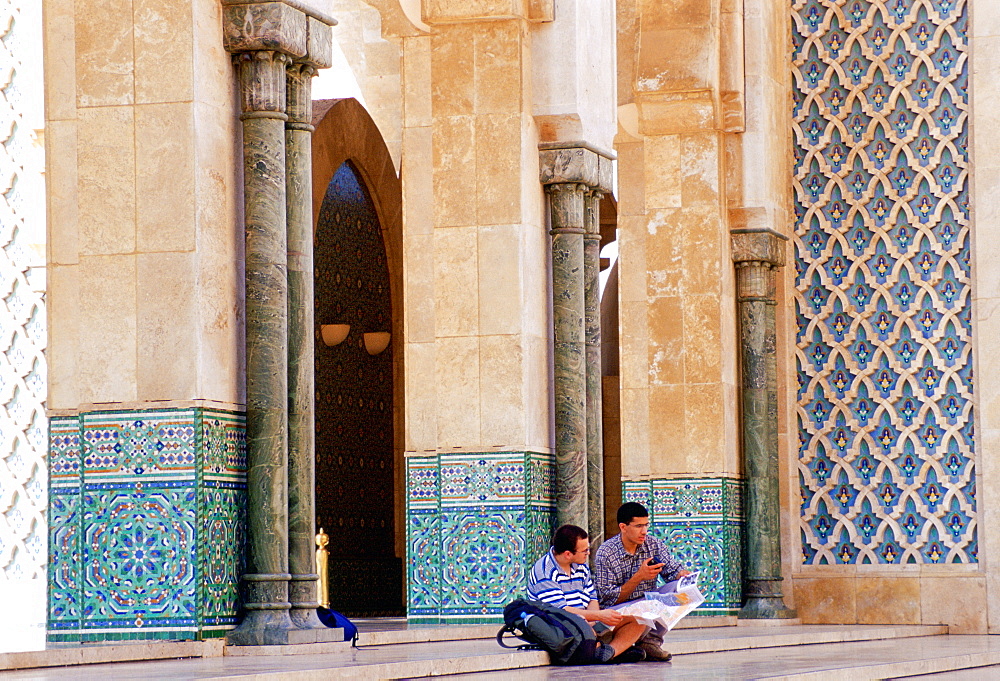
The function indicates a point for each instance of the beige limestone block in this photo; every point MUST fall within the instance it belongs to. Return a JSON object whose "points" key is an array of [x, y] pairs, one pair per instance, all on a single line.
{"points": [[59, 44], [631, 178], [417, 81], [703, 240], [662, 160], [106, 329], [664, 253], [701, 164], [456, 282], [667, 332], [498, 64], [702, 338], [676, 111], [888, 600], [634, 343], [501, 298], [421, 397], [453, 76], [705, 426], [632, 258], [826, 600], [61, 192], [985, 21], [104, 53], [454, 171], [62, 306], [214, 78], [959, 602], [676, 59], [167, 332], [668, 442], [502, 390], [498, 169], [220, 245], [539, 399], [382, 57], [419, 288], [676, 14], [418, 183], [165, 178], [635, 426], [106, 181], [163, 35], [457, 382], [988, 363], [534, 274]]}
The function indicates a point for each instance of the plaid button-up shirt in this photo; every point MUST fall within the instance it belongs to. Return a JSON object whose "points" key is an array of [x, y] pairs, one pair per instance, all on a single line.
{"points": [[613, 566]]}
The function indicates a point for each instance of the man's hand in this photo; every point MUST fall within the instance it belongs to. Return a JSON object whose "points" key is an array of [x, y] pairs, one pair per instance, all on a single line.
{"points": [[648, 570], [683, 573], [612, 618]]}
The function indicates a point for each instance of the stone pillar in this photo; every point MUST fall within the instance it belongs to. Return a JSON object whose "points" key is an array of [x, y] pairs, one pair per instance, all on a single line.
{"points": [[592, 324], [569, 175], [266, 37], [301, 374], [566, 203], [758, 253]]}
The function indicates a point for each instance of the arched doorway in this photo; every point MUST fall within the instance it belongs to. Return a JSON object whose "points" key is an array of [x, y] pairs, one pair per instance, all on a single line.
{"points": [[358, 384]]}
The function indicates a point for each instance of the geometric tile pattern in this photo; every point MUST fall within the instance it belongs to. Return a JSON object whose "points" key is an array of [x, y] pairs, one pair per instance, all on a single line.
{"points": [[147, 524], [22, 290], [887, 462], [701, 522], [476, 523]]}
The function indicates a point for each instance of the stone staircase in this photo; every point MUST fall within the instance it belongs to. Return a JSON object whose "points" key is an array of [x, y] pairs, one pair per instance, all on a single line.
{"points": [[390, 649]]}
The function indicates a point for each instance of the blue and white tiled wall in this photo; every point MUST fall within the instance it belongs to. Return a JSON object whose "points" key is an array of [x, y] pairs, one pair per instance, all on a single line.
{"points": [[146, 524], [476, 522]]}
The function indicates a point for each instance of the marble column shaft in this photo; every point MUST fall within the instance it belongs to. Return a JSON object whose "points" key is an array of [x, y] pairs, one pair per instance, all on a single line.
{"points": [[262, 80], [758, 254], [592, 324], [301, 333], [568, 309]]}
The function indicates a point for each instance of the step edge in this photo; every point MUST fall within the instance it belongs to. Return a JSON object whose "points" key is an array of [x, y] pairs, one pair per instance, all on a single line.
{"points": [[934, 665]]}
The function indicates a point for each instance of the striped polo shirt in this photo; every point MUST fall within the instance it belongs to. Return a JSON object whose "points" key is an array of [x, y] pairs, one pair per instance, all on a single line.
{"points": [[550, 584]]}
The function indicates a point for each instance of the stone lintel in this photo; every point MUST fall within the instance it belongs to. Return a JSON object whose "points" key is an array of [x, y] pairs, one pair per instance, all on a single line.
{"points": [[265, 26], [303, 6], [758, 244], [576, 165], [462, 11], [678, 111]]}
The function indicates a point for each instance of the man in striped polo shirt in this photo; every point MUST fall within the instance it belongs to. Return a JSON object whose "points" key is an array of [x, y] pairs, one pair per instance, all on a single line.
{"points": [[561, 578]]}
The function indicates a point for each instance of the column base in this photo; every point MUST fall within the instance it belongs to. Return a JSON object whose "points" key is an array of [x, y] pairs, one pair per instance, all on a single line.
{"points": [[302, 591], [275, 628], [764, 601]]}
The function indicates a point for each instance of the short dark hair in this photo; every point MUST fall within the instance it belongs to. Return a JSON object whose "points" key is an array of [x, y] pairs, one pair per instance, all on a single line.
{"points": [[566, 538], [630, 510]]}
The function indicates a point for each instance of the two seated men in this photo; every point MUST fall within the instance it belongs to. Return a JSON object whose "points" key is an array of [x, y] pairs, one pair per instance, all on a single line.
{"points": [[626, 566]]}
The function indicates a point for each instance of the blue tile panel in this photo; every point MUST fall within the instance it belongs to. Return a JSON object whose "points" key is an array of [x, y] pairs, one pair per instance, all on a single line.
{"points": [[146, 524], [887, 460], [701, 522], [475, 525]]}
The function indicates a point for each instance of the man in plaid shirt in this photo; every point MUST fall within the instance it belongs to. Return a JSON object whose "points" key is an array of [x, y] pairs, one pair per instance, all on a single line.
{"points": [[628, 565]]}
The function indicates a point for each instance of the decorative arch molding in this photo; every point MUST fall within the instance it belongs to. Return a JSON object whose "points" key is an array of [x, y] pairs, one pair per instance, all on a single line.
{"points": [[346, 132]]}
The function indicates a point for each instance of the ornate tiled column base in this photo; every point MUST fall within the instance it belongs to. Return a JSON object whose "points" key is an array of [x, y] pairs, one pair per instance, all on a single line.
{"points": [[475, 524], [146, 524], [701, 521]]}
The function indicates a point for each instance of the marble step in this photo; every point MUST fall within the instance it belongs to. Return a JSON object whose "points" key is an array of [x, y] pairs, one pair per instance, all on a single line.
{"points": [[958, 658]]}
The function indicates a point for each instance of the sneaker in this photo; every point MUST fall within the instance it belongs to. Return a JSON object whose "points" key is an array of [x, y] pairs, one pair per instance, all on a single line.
{"points": [[654, 653], [604, 653], [633, 654]]}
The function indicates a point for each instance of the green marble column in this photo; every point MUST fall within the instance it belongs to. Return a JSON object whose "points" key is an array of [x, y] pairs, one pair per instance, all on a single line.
{"points": [[592, 323], [566, 205], [757, 255], [301, 370], [262, 83]]}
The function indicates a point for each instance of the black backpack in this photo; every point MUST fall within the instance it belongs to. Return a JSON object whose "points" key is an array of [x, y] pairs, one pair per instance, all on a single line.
{"points": [[566, 637]]}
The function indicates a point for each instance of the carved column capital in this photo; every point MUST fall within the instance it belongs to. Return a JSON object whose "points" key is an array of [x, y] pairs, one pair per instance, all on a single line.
{"points": [[758, 244], [577, 164]]}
